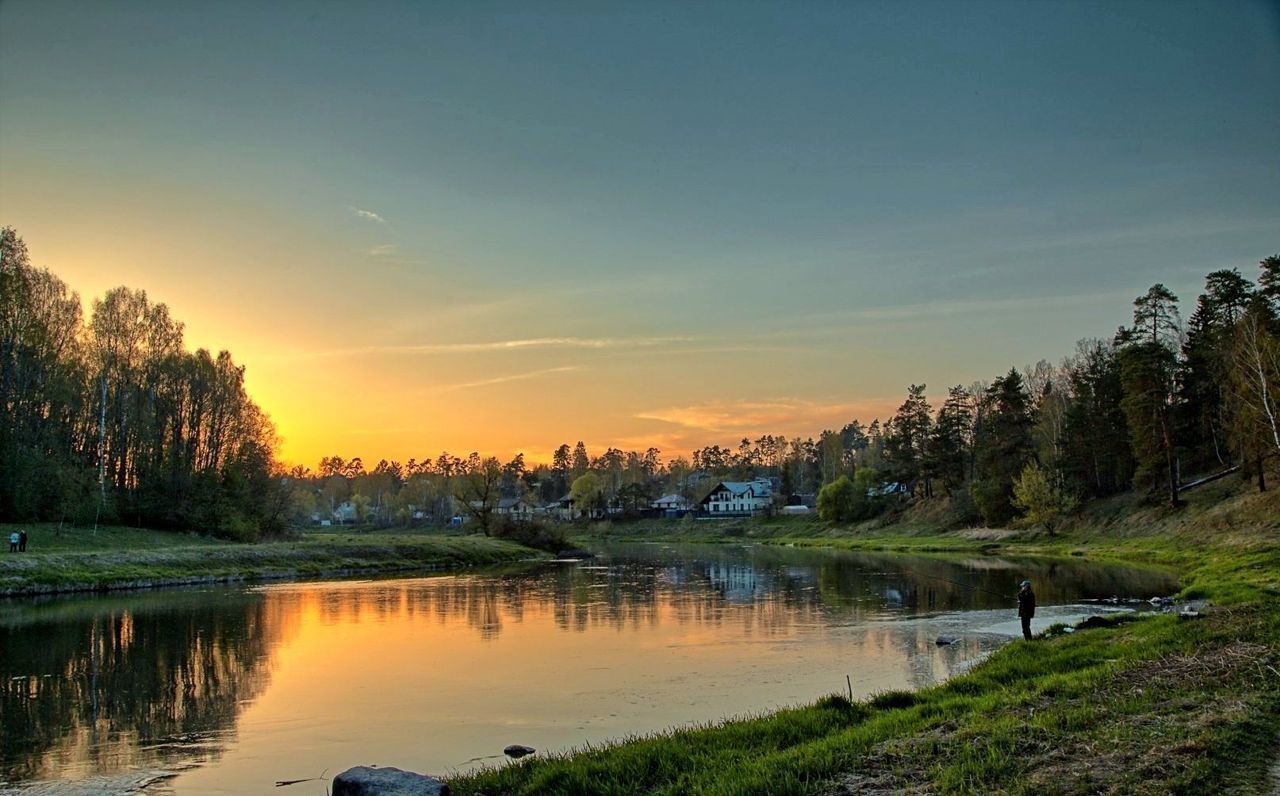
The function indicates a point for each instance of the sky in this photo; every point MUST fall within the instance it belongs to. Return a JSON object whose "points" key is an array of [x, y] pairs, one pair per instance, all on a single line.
{"points": [[503, 226]]}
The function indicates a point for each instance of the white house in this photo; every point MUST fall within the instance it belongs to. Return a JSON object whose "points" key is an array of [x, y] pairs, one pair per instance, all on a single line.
{"points": [[742, 498], [672, 505], [517, 508]]}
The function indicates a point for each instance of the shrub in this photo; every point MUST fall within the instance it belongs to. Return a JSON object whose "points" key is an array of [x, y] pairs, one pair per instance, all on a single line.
{"points": [[531, 533]]}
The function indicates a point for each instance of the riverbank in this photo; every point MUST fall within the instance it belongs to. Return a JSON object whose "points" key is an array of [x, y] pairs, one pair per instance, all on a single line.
{"points": [[1149, 706], [80, 560]]}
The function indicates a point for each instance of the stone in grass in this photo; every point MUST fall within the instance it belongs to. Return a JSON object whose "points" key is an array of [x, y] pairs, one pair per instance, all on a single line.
{"points": [[388, 781], [518, 751]]}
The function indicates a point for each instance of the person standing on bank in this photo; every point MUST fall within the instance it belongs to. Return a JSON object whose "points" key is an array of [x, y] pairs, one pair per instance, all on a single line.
{"points": [[13, 542], [1026, 607], [22, 541]]}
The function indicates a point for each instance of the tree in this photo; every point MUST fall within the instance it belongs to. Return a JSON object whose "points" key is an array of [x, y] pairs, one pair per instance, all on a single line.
{"points": [[587, 494], [1202, 377], [581, 462], [1269, 283], [169, 438], [845, 500], [1254, 388], [478, 488], [634, 498], [1155, 317], [835, 500], [1147, 369], [832, 456], [906, 442], [1042, 501], [1097, 458], [1003, 446], [947, 452]]}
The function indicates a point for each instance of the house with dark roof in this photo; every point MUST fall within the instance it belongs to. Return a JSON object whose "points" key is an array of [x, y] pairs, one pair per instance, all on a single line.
{"points": [[738, 498]]}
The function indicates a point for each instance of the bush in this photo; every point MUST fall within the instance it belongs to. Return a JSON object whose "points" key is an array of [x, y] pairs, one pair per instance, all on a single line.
{"points": [[1041, 500], [843, 500], [836, 500], [531, 533]]}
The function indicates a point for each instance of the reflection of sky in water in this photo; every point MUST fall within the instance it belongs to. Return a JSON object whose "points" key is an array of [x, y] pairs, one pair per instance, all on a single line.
{"points": [[284, 681]]}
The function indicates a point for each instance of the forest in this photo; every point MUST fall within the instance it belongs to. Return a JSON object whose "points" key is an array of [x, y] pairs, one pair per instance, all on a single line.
{"points": [[113, 419]]}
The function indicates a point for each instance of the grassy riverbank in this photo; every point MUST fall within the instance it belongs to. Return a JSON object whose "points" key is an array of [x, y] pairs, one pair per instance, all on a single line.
{"points": [[1150, 706], [78, 559]]}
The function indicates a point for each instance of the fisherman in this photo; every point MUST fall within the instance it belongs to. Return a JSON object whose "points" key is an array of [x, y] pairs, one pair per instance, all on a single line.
{"points": [[13, 542], [1026, 607], [22, 541]]}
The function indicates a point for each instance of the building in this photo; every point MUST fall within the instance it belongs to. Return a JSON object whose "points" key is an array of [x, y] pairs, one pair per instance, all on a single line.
{"points": [[738, 498], [517, 509], [673, 505]]}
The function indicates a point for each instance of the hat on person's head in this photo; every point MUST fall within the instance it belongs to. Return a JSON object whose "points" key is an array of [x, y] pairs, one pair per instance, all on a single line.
{"points": [[1024, 584]]}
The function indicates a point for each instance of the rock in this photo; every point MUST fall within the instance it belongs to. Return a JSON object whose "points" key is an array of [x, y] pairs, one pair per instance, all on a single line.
{"points": [[1161, 601], [517, 751], [944, 641], [1189, 613], [389, 781]]}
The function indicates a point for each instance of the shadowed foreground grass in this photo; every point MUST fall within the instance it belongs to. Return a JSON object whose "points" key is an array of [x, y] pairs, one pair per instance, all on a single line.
{"points": [[1155, 705], [80, 560]]}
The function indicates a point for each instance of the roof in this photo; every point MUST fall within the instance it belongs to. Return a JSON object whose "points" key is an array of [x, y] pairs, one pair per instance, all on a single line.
{"points": [[672, 498], [761, 488], [738, 487]]}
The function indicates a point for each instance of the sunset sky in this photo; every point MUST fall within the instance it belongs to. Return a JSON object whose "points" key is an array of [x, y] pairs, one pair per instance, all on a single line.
{"points": [[503, 226]]}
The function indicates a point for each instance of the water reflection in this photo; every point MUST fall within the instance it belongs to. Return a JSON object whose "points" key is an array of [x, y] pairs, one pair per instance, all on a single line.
{"points": [[281, 681], [98, 685]]}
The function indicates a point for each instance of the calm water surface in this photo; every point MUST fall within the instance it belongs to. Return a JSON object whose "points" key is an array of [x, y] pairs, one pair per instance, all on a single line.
{"points": [[236, 688]]}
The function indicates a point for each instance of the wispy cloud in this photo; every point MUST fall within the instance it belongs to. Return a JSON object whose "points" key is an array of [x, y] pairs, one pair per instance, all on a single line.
{"points": [[368, 215], [503, 379], [588, 343], [383, 250], [786, 415]]}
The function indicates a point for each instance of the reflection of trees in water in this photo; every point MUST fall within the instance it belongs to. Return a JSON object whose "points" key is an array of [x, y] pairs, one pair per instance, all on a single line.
{"points": [[105, 685], [765, 590]]}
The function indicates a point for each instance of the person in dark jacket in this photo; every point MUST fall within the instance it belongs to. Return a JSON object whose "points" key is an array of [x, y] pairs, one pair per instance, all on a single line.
{"points": [[22, 541], [1026, 607]]}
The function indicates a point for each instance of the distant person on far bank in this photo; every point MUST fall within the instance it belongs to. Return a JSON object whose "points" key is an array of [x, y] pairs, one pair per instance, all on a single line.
{"points": [[22, 541], [1026, 607], [13, 542]]}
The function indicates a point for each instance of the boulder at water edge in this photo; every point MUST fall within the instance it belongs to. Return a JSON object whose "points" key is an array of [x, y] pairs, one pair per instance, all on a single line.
{"points": [[389, 781]]}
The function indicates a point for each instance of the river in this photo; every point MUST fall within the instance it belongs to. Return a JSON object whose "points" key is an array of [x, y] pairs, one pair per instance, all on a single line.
{"points": [[229, 690]]}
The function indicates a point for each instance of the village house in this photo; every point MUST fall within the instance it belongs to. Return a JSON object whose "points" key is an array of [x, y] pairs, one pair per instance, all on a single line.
{"points": [[517, 509], [672, 505], [738, 498]]}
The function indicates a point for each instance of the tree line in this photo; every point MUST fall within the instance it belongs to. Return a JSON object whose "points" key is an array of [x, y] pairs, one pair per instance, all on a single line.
{"points": [[1155, 405], [1152, 408], [111, 419]]}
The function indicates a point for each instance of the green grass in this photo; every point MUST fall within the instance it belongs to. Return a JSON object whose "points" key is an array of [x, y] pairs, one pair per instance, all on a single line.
{"points": [[49, 537], [1152, 706], [80, 560]]}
